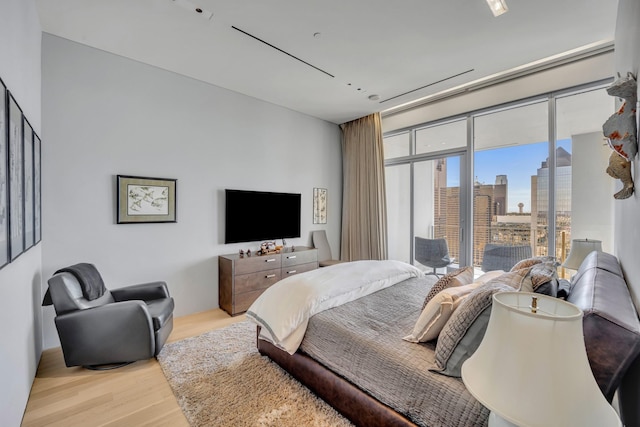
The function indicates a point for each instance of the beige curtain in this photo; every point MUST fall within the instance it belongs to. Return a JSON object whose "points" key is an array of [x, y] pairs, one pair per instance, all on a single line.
{"points": [[364, 211]]}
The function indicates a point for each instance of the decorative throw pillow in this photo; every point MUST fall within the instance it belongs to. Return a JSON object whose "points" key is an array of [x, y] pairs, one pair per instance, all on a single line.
{"points": [[515, 279], [528, 262], [459, 277], [436, 313], [540, 274], [550, 288], [489, 275], [464, 331], [564, 288]]}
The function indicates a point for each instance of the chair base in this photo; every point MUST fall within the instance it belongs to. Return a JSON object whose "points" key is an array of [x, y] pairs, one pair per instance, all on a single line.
{"points": [[435, 272], [106, 367], [438, 275]]}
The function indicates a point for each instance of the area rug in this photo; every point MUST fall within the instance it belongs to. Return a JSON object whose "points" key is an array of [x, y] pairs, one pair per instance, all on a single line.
{"points": [[220, 379]]}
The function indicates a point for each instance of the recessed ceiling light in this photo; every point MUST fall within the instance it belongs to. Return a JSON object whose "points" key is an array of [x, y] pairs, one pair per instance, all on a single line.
{"points": [[374, 97], [498, 7], [186, 4]]}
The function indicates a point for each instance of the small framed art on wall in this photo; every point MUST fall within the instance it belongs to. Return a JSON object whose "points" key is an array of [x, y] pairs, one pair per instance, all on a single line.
{"points": [[319, 205], [145, 200]]}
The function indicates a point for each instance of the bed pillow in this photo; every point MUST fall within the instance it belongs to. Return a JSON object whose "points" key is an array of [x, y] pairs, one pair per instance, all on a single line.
{"points": [[528, 262], [462, 334], [549, 288], [436, 313], [541, 279], [564, 288], [459, 277], [516, 279], [488, 276]]}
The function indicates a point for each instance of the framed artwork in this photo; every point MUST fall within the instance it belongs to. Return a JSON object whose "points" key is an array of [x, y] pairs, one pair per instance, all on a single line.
{"points": [[37, 188], [319, 205], [27, 152], [16, 179], [4, 180], [144, 200]]}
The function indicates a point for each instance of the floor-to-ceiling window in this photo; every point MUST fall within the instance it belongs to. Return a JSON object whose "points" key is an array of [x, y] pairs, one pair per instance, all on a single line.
{"points": [[510, 151], [423, 188], [531, 181], [398, 183], [582, 186]]}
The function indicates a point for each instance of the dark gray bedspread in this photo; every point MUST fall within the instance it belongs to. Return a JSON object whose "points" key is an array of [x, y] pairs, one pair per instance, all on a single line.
{"points": [[362, 342]]}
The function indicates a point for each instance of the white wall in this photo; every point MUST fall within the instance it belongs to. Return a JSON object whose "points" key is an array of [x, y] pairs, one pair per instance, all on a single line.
{"points": [[591, 190], [20, 281], [105, 115], [627, 212]]}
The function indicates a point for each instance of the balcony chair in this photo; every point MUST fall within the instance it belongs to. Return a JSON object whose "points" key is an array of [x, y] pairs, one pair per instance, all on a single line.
{"points": [[503, 257], [433, 253], [102, 329], [321, 243]]}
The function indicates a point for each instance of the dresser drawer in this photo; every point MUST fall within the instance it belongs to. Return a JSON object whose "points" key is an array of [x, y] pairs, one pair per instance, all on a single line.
{"points": [[297, 269], [243, 301], [258, 280], [257, 263], [302, 257], [242, 279]]}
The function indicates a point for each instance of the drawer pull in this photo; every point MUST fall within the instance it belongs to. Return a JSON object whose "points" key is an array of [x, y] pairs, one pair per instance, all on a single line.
{"points": [[269, 276], [291, 257], [291, 272], [270, 260]]}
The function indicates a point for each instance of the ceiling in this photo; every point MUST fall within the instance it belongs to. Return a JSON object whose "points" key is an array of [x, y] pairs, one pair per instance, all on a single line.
{"points": [[325, 58]]}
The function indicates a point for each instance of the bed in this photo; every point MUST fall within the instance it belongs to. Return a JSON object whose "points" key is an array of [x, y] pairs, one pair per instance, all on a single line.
{"points": [[353, 356]]}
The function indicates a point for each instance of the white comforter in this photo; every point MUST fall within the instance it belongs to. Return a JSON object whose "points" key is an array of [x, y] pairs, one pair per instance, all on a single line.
{"points": [[284, 309]]}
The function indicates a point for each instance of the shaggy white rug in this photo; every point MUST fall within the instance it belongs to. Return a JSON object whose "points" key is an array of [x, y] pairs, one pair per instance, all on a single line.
{"points": [[220, 379]]}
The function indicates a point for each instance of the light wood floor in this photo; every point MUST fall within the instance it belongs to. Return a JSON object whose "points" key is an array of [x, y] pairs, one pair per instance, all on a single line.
{"points": [[134, 395]]}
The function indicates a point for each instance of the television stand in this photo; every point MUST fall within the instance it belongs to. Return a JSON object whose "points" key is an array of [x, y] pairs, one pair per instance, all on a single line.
{"points": [[241, 280]]}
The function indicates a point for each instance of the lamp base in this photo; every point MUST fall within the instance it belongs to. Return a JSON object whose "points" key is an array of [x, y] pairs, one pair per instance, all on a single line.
{"points": [[496, 420]]}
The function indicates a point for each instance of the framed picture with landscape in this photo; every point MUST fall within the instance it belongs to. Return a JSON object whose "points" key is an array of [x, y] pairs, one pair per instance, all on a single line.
{"points": [[29, 206], [145, 200], [16, 179], [37, 187], [4, 220]]}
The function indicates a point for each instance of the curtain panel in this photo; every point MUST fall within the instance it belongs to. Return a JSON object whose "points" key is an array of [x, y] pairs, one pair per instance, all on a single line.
{"points": [[364, 210]]}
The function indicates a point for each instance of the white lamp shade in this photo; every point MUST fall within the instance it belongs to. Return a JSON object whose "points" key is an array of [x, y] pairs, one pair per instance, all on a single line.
{"points": [[580, 248], [532, 369]]}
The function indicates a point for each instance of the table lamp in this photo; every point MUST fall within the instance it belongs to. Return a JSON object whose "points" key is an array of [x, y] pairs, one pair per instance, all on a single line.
{"points": [[580, 248], [531, 369]]}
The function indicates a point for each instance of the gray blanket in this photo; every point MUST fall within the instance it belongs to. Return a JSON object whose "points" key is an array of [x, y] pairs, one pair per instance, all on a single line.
{"points": [[362, 342]]}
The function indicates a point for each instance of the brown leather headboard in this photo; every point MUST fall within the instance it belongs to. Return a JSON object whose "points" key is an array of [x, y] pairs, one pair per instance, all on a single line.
{"points": [[610, 323]]}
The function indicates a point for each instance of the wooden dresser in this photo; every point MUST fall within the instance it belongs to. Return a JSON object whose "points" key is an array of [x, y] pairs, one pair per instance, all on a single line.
{"points": [[242, 279]]}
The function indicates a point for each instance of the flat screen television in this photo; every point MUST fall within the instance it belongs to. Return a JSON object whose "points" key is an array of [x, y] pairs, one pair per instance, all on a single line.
{"points": [[252, 216]]}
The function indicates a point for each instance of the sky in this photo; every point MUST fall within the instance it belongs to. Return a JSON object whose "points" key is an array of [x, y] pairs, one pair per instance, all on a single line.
{"points": [[519, 163]]}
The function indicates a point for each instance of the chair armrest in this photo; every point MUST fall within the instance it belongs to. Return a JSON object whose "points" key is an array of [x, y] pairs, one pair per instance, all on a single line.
{"points": [[116, 332], [144, 291]]}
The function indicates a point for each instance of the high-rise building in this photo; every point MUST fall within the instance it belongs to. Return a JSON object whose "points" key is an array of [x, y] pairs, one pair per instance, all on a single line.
{"points": [[501, 198], [491, 219], [562, 202], [489, 200]]}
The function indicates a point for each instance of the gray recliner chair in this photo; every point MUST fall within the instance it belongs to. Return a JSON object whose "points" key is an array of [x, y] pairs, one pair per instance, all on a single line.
{"points": [[321, 243], [433, 253], [102, 329], [503, 257]]}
